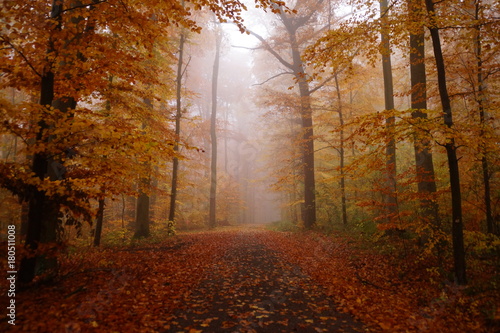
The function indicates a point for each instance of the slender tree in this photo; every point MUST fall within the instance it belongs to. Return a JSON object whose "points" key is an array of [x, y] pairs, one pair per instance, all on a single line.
{"points": [[142, 218], [422, 146], [390, 197], [490, 223], [341, 153], [451, 149], [212, 222], [178, 115], [296, 66], [99, 221]]}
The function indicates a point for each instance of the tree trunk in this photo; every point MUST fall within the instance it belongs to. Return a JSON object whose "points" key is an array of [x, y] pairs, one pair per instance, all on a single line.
{"points": [[490, 223], [142, 219], [178, 114], [342, 154], [212, 222], [390, 197], [99, 222], [142, 216], [40, 207], [309, 207], [451, 152], [422, 146]]}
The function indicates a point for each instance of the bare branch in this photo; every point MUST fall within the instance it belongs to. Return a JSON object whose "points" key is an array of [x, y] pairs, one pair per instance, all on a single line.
{"points": [[321, 85], [270, 50], [186, 67], [272, 77], [246, 48]]}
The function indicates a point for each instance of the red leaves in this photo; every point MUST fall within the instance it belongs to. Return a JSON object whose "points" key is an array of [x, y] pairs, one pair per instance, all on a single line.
{"points": [[123, 290], [370, 288], [147, 289]]}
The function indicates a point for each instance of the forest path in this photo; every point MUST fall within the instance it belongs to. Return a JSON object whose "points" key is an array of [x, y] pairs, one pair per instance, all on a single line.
{"points": [[251, 289]]}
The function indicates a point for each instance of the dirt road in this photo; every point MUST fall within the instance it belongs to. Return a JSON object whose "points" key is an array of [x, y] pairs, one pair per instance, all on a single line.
{"points": [[251, 289]]}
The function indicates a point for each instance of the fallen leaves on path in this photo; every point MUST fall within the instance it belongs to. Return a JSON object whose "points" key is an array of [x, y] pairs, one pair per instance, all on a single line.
{"points": [[251, 289], [238, 281], [369, 287], [119, 290]]}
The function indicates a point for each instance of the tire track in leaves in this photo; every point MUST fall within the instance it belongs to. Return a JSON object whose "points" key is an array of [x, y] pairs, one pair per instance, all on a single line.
{"points": [[250, 289]]}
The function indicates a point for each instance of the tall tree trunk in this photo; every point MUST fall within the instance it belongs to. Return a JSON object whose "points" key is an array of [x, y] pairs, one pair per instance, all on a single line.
{"points": [[99, 221], [212, 222], [43, 216], [451, 151], [292, 24], [390, 197], [309, 207], [422, 146], [178, 114], [40, 208], [490, 223], [342, 154], [142, 218]]}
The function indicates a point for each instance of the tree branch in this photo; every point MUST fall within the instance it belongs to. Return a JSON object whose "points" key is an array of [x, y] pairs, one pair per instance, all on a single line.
{"points": [[270, 50], [272, 77], [186, 67], [95, 2], [22, 56], [246, 47], [319, 86]]}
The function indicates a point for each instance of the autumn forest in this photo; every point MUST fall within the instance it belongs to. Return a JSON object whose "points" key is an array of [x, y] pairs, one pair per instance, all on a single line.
{"points": [[250, 166]]}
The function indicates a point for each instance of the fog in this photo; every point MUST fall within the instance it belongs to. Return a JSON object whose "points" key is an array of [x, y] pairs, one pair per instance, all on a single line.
{"points": [[242, 148]]}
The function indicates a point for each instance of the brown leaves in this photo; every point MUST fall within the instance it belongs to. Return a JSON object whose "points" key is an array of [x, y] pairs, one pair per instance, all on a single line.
{"points": [[117, 290], [371, 288], [253, 280]]}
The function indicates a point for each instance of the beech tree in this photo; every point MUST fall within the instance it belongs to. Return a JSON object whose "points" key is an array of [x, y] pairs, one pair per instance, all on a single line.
{"points": [[422, 146], [291, 59], [390, 151], [181, 68], [451, 149], [212, 219], [67, 50]]}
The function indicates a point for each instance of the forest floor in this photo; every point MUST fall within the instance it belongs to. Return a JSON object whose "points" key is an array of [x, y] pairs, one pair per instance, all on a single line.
{"points": [[239, 280]]}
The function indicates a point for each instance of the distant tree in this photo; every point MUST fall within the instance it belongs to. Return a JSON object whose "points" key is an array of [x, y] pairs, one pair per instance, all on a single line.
{"points": [[64, 51], [212, 219], [178, 115], [305, 14]]}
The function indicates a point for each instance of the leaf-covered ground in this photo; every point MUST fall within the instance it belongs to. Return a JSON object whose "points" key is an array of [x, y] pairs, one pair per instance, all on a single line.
{"points": [[251, 289], [241, 280]]}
